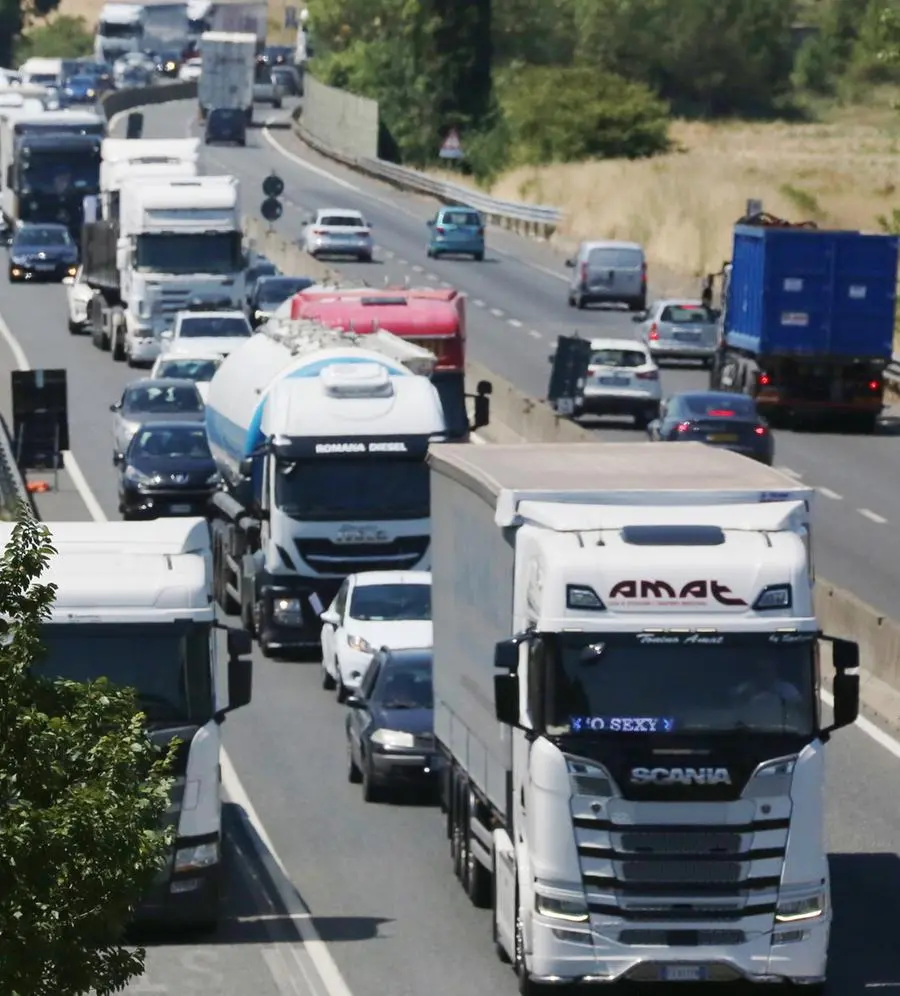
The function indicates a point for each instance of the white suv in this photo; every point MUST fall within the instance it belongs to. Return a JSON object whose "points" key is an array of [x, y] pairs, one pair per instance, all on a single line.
{"points": [[622, 379]]}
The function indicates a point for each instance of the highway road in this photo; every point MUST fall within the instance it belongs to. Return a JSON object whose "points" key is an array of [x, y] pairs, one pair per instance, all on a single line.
{"points": [[377, 879], [518, 306], [370, 888]]}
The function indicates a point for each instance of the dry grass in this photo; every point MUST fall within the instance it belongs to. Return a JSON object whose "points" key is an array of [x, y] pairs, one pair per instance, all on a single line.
{"points": [[843, 171]]}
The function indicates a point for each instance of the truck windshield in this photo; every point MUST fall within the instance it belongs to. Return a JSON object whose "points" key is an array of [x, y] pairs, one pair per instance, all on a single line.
{"points": [[599, 683], [216, 252], [328, 490], [168, 666], [61, 172]]}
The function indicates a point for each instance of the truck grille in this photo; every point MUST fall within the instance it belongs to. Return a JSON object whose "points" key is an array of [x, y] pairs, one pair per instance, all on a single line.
{"points": [[682, 871], [341, 559], [680, 938]]}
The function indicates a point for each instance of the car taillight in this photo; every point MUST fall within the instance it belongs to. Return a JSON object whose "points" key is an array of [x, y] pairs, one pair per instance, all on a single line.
{"points": [[647, 375], [684, 427], [874, 385], [763, 379], [760, 430], [644, 274], [318, 231], [654, 332], [584, 273], [440, 229], [720, 413]]}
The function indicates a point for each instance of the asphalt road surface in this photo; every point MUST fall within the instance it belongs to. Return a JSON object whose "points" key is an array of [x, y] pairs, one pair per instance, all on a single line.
{"points": [[370, 887]]}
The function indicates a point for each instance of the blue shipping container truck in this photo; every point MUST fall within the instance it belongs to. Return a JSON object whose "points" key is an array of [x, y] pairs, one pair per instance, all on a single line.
{"points": [[808, 320]]}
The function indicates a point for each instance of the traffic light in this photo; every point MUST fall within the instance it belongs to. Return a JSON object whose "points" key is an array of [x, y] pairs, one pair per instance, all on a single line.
{"points": [[272, 208]]}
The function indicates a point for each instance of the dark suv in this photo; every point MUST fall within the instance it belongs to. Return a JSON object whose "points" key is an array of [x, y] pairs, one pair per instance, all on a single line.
{"points": [[226, 124]]}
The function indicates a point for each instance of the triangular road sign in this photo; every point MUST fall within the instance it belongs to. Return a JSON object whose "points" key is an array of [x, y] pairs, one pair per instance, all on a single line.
{"points": [[451, 148]]}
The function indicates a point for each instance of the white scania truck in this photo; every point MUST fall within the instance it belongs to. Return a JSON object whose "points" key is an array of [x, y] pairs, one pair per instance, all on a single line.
{"points": [[637, 787], [320, 437], [133, 606], [168, 238]]}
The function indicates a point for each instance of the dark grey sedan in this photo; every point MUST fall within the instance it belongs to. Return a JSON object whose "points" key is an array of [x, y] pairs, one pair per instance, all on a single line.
{"points": [[717, 418], [390, 725], [680, 330], [153, 400]]}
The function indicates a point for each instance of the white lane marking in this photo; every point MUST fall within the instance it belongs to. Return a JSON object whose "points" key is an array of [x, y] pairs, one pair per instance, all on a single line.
{"points": [[516, 324], [417, 268], [535, 334], [478, 303], [477, 439], [789, 471], [532, 266], [828, 493], [313, 944], [324, 174], [890, 744], [402, 262], [431, 276], [872, 516], [389, 253], [496, 312]]}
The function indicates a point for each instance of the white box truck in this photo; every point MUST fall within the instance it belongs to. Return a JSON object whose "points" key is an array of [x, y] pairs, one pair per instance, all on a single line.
{"points": [[133, 606], [229, 64], [626, 672]]}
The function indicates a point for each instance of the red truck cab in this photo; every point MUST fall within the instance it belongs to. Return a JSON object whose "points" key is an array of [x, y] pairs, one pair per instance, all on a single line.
{"points": [[432, 318]]}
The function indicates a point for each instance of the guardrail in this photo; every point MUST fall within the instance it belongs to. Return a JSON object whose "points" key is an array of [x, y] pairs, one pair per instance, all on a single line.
{"points": [[13, 491], [892, 374], [527, 219]]}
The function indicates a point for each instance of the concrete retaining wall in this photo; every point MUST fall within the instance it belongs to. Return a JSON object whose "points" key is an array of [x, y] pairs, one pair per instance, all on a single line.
{"points": [[340, 120], [124, 100]]}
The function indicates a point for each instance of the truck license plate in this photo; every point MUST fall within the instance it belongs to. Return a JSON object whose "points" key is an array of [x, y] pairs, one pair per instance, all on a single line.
{"points": [[180, 509], [682, 973]]}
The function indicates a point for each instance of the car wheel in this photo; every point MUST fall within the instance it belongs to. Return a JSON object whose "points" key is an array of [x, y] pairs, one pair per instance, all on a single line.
{"points": [[327, 681], [371, 790], [429, 254], [580, 302], [340, 690], [478, 257], [639, 305], [365, 257], [74, 327], [354, 775]]}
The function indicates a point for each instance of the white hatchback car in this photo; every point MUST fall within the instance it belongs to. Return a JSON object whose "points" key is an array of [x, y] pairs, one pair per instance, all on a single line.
{"points": [[186, 364], [78, 297], [622, 379], [373, 610], [339, 232]]}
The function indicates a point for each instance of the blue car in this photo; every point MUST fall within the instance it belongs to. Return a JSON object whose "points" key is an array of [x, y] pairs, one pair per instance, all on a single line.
{"points": [[81, 90], [456, 231]]}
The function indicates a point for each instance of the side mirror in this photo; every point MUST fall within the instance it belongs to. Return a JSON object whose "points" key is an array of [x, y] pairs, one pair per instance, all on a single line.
{"points": [[240, 643], [570, 264], [845, 688], [484, 389], [116, 406], [246, 467], [506, 655], [355, 702], [652, 427], [330, 617], [641, 317], [551, 358], [506, 699], [168, 334], [118, 459], [240, 683], [68, 281], [430, 223]]}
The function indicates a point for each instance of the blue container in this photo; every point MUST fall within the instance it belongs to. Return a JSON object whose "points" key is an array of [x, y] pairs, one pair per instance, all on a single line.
{"points": [[803, 292]]}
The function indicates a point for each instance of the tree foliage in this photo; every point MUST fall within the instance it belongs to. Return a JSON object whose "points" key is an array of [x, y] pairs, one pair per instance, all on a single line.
{"points": [[62, 38], [83, 791]]}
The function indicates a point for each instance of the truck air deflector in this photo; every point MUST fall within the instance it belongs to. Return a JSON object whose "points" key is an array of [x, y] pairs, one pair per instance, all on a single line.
{"points": [[673, 535]]}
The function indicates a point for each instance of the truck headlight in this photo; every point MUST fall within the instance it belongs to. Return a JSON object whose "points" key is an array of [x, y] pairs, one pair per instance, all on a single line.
{"points": [[358, 643], [588, 778], [792, 909], [393, 738], [780, 766], [572, 909], [197, 857], [287, 610]]}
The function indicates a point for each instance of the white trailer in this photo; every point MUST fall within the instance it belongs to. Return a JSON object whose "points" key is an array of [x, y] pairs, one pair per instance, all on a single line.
{"points": [[141, 26], [229, 64], [637, 787], [132, 605]]}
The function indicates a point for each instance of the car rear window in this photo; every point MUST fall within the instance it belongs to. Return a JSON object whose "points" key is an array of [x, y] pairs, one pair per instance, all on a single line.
{"points": [[686, 314], [619, 358], [461, 218], [738, 406], [616, 259], [342, 221]]}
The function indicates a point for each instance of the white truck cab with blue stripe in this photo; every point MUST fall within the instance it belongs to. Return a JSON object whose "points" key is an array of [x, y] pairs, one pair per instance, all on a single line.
{"points": [[133, 605], [320, 437]]}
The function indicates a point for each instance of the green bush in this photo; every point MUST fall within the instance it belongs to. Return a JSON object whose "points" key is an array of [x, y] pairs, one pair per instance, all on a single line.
{"points": [[63, 38], [565, 114]]}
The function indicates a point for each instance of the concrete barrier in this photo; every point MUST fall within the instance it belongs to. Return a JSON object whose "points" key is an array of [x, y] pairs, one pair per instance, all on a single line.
{"points": [[124, 100], [340, 120]]}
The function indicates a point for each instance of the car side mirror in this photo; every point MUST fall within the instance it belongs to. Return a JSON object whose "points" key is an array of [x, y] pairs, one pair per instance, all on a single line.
{"points": [[506, 699], [239, 643], [641, 317], [168, 334], [118, 459], [430, 223], [246, 467], [355, 702], [551, 358], [68, 281], [116, 406], [330, 617], [570, 264]]}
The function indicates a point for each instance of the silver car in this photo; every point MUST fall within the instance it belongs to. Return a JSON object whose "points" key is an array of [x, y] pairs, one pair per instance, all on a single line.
{"points": [[608, 273], [152, 399], [339, 232], [680, 329]]}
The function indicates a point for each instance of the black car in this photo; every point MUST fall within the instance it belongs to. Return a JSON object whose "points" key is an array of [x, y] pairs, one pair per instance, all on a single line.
{"points": [[278, 55], [259, 266], [390, 725], [718, 418], [269, 293], [167, 470], [168, 63], [41, 251], [226, 124], [289, 79]]}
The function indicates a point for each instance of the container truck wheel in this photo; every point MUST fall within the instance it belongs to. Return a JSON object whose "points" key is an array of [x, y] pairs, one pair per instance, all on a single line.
{"points": [[526, 986], [477, 880]]}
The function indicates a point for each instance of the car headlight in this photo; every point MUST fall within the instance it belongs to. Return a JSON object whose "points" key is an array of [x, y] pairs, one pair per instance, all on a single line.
{"points": [[72, 271], [790, 910], [287, 610], [573, 909], [393, 738], [358, 643], [91, 93], [214, 478], [137, 476], [197, 857]]}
